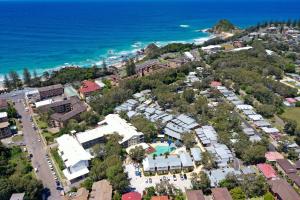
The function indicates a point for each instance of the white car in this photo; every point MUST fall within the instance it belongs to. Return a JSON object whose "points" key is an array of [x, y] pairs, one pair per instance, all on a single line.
{"points": [[36, 169]]}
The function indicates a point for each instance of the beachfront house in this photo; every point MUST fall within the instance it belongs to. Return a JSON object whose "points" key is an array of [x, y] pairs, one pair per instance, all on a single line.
{"points": [[161, 164], [4, 126], [75, 158], [186, 162], [88, 88]]}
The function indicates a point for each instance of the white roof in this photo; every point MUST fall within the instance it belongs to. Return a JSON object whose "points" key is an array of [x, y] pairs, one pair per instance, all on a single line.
{"points": [[244, 107], [32, 92], [3, 114], [189, 55], [270, 130], [242, 48], [211, 47], [71, 150], [255, 117], [112, 123], [100, 83], [43, 103], [76, 174]]}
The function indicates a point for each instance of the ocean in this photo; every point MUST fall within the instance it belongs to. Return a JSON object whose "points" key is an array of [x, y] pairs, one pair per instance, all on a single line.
{"points": [[45, 35]]}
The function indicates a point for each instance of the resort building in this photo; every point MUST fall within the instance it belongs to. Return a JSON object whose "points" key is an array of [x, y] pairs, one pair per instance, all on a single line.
{"points": [[32, 96], [4, 126], [87, 88], [222, 154], [75, 158], [186, 161], [180, 125], [207, 135], [217, 175], [196, 154], [101, 190], [162, 164], [51, 91], [112, 124]]}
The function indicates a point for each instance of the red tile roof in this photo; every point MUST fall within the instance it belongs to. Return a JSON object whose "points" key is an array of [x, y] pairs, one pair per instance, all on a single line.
{"points": [[221, 194], [89, 86], [160, 198], [273, 156], [267, 170], [291, 100], [132, 196]]}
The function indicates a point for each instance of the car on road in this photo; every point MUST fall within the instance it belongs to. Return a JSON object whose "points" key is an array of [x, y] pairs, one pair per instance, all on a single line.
{"points": [[164, 178], [181, 177], [36, 169], [146, 181], [185, 177], [39, 140], [174, 178], [150, 180]]}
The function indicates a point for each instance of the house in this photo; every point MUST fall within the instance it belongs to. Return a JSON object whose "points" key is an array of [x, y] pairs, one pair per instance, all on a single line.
{"points": [[220, 194], [272, 156], [17, 196], [295, 179], [55, 106], [285, 166], [217, 175], [87, 88], [112, 124], [267, 170], [75, 158], [162, 163], [101, 190], [215, 84], [222, 154], [3, 104], [4, 126], [194, 195], [282, 190], [297, 165], [132, 196], [51, 91], [212, 48], [160, 198]]}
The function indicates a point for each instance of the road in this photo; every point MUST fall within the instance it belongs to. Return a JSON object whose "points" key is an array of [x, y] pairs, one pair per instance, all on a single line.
{"points": [[38, 150]]}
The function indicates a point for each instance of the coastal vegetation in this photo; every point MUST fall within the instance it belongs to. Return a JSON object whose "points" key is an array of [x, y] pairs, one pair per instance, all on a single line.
{"points": [[16, 175], [223, 25]]}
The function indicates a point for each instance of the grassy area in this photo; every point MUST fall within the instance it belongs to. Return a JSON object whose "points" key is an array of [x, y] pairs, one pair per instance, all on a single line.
{"points": [[292, 113], [49, 137], [41, 124], [17, 138], [57, 158]]}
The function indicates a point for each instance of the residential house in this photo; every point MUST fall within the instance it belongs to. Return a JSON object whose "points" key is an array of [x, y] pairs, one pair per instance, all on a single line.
{"points": [[272, 156], [217, 175], [207, 135], [75, 158], [284, 166], [87, 88], [160, 198], [267, 170], [220, 194], [282, 190], [194, 195], [51, 91], [222, 154], [112, 124], [4, 126], [132, 196], [101, 190], [162, 164]]}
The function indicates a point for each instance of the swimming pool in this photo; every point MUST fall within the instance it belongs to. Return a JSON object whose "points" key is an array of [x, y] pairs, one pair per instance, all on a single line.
{"points": [[161, 150]]}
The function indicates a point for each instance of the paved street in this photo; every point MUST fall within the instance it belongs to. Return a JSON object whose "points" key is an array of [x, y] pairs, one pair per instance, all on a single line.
{"points": [[38, 150]]}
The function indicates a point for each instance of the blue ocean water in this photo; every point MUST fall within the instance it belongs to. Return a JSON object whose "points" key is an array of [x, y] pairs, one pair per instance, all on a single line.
{"points": [[45, 35]]}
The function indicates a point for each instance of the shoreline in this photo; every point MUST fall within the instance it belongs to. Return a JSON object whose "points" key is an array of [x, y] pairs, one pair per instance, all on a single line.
{"points": [[114, 59]]}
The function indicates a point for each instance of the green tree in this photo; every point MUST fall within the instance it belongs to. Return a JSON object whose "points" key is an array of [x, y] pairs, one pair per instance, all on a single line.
{"points": [[26, 77], [117, 196], [253, 185], [137, 154], [6, 189], [145, 126], [237, 194], [188, 95], [290, 126], [293, 155], [7, 83], [188, 140], [130, 67], [46, 75], [149, 193], [117, 177], [208, 160], [229, 182], [15, 79], [269, 196], [201, 181]]}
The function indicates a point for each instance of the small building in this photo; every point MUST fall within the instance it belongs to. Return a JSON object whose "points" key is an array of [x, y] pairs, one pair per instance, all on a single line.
{"points": [[87, 88], [17, 196], [32, 96], [101, 190], [3, 104], [215, 84], [217, 175], [222, 154], [186, 161], [196, 154], [4, 126], [285, 166], [267, 170], [282, 190], [75, 158], [297, 164], [51, 91], [132, 196], [207, 135], [272, 156], [220, 194], [194, 195]]}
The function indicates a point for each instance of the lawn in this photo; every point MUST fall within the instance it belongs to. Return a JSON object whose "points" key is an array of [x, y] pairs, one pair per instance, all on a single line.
{"points": [[57, 158], [17, 138], [292, 113]]}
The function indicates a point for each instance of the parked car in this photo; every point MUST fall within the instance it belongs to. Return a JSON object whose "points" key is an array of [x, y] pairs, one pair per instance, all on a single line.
{"points": [[185, 177], [150, 180], [36, 169], [181, 177], [174, 178], [164, 178]]}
